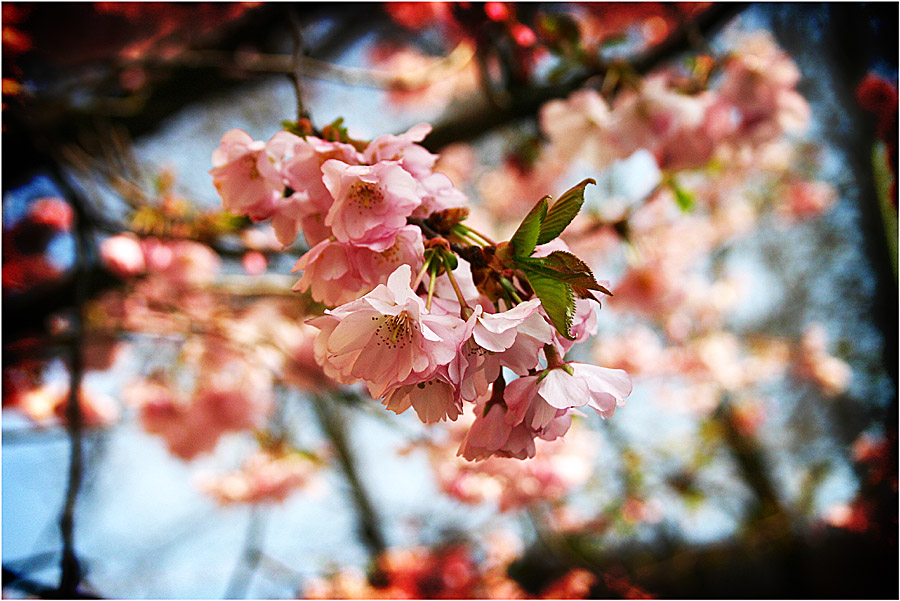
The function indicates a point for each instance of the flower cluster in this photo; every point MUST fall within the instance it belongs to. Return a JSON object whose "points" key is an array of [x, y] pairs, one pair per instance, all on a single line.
{"points": [[419, 327], [449, 571]]}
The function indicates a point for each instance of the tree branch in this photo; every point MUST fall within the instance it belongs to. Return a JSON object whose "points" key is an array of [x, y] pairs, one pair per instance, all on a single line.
{"points": [[331, 418], [482, 118]]}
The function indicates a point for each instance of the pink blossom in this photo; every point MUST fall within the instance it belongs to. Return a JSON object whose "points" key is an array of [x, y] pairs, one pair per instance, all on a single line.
{"points": [[337, 273], [438, 194], [539, 398], [371, 203], [434, 399], [403, 148], [511, 338], [494, 434], [374, 267], [306, 208], [245, 174], [517, 335], [329, 274], [387, 337], [490, 435], [584, 325]]}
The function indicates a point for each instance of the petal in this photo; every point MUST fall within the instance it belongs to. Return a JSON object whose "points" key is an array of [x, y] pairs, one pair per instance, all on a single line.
{"points": [[562, 390]]}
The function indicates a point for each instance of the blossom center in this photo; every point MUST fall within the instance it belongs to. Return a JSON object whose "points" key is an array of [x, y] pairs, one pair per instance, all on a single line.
{"points": [[395, 331], [364, 195]]}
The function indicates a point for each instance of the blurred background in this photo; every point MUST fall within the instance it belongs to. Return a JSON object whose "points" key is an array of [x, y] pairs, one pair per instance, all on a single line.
{"points": [[167, 434]]}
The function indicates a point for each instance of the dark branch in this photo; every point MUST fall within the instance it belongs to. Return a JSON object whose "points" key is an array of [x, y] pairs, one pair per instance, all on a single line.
{"points": [[482, 119]]}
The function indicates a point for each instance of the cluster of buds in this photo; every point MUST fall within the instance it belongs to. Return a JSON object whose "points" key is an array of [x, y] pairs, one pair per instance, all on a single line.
{"points": [[419, 327]]}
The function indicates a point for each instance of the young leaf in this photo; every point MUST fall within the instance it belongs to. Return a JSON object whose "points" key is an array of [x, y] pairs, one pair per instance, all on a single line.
{"points": [[563, 212], [526, 236], [566, 267], [557, 299]]}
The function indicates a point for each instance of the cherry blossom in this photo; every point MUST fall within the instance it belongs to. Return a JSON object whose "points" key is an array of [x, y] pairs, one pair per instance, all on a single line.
{"points": [[246, 176], [390, 328], [371, 203]]}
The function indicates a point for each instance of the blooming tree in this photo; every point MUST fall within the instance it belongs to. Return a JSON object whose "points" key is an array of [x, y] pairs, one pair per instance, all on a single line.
{"points": [[454, 276]]}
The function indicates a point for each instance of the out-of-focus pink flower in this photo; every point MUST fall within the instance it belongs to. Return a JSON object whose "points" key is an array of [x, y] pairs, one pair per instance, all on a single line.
{"points": [[123, 255], [813, 363], [421, 81], [371, 203], [264, 477], [807, 199], [254, 262], [301, 368], [456, 162], [183, 263], [759, 82], [228, 400], [101, 351], [580, 125]]}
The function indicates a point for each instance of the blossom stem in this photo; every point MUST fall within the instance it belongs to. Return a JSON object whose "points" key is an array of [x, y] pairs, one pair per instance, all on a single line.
{"points": [[421, 273], [510, 290], [431, 281], [553, 358], [464, 306], [473, 235]]}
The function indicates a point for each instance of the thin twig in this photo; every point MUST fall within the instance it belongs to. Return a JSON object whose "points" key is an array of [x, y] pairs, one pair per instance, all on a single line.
{"points": [[251, 554], [71, 569], [297, 63]]}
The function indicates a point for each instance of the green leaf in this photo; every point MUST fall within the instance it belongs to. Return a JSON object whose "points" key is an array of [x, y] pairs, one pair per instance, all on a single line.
{"points": [[556, 297], [563, 212], [526, 236], [566, 267]]}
